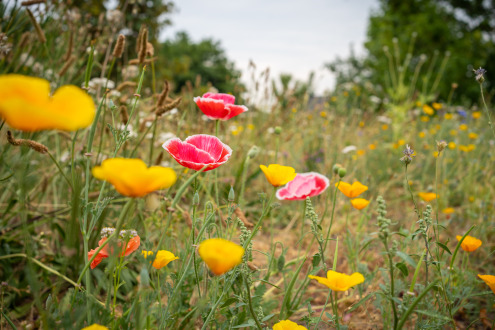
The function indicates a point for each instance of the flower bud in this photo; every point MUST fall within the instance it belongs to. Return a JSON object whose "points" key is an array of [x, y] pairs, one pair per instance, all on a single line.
{"points": [[441, 145], [278, 130], [335, 168], [253, 152], [231, 194], [342, 172], [196, 199]]}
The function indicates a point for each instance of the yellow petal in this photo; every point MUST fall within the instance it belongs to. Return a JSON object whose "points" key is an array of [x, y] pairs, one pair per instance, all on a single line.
{"points": [[359, 203], [470, 243], [278, 175], [163, 258], [288, 325], [489, 280], [25, 104], [95, 327], [220, 255], [131, 177], [357, 188]]}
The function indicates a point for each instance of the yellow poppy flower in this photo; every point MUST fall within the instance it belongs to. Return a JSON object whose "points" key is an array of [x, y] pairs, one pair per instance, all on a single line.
{"points": [[448, 210], [338, 281], [428, 110], [95, 327], [451, 145], [463, 127], [473, 136], [427, 196], [476, 114], [163, 258], [424, 119], [448, 116], [359, 203], [352, 190], [288, 325], [422, 134], [278, 175], [220, 255], [26, 104], [372, 146], [437, 106], [131, 177], [489, 280], [384, 127], [469, 244]]}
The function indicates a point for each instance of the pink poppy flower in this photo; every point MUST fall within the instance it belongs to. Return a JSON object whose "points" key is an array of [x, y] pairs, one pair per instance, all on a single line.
{"points": [[304, 185], [219, 106], [199, 150]]}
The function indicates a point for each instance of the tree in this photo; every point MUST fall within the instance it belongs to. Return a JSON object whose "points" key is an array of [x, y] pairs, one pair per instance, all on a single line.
{"points": [[182, 60], [454, 28]]}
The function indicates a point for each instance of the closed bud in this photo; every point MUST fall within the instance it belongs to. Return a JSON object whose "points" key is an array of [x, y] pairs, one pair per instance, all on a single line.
{"points": [[342, 172], [335, 168], [253, 152], [145, 277], [231, 194], [278, 130], [441, 145], [196, 199]]}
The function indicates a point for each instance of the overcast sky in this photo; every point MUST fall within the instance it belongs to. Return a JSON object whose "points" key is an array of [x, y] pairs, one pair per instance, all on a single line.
{"points": [[289, 36]]}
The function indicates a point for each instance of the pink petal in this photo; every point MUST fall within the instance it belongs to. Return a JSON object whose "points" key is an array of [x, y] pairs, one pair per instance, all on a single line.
{"points": [[234, 110], [208, 143], [304, 185], [213, 109], [226, 98], [185, 152]]}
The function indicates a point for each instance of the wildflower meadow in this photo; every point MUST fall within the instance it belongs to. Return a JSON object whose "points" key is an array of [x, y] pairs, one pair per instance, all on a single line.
{"points": [[129, 201]]}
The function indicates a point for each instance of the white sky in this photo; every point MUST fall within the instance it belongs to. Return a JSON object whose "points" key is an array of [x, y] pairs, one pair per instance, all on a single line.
{"points": [[289, 36]]}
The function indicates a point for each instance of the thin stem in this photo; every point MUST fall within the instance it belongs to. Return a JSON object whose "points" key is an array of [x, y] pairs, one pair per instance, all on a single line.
{"points": [[490, 123], [333, 212], [324, 307], [60, 170], [250, 305], [335, 309]]}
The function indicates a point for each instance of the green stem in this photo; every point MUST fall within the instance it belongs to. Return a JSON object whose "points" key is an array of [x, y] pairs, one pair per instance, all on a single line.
{"points": [[335, 309], [324, 307], [413, 305], [333, 212], [60, 170], [490, 123], [250, 305]]}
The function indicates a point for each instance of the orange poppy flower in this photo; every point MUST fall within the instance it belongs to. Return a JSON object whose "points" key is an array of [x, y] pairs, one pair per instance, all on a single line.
{"points": [[427, 196], [131, 246], [469, 244], [352, 190], [489, 280], [359, 203]]}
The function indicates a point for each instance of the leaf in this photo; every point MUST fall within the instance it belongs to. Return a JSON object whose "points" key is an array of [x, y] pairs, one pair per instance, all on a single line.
{"points": [[406, 258], [360, 302], [316, 259], [443, 246], [249, 323], [261, 280], [266, 318], [228, 302], [403, 268]]}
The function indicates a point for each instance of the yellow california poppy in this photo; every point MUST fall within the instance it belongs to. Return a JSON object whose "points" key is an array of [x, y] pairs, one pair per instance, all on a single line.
{"points": [[469, 243], [131, 177], [26, 104], [163, 258], [339, 281], [95, 327], [220, 255], [352, 190], [489, 280], [427, 196], [359, 203], [278, 175], [288, 325]]}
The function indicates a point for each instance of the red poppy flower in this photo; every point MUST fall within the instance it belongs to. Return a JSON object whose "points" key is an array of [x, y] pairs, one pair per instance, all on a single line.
{"points": [[304, 185], [101, 255], [199, 150], [131, 246], [219, 106]]}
